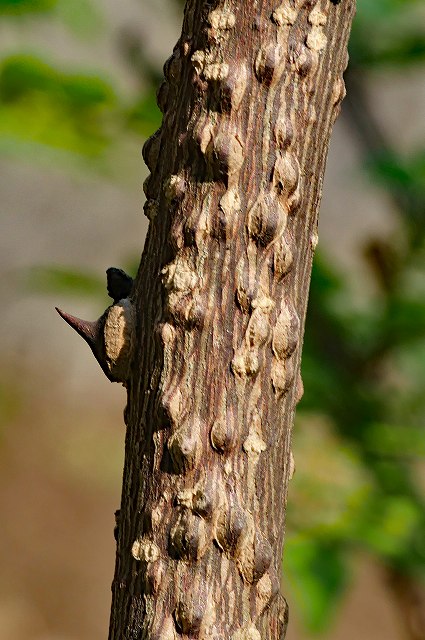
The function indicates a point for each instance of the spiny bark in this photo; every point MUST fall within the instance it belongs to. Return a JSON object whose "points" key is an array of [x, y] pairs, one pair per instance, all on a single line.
{"points": [[249, 98]]}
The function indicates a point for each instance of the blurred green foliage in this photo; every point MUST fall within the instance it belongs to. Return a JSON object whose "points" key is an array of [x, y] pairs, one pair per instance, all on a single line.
{"points": [[21, 7], [388, 32], [58, 279], [320, 563], [361, 425], [42, 105], [45, 107]]}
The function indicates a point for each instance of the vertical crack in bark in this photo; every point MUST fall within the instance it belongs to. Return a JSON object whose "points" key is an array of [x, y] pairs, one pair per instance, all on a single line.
{"points": [[249, 98]]}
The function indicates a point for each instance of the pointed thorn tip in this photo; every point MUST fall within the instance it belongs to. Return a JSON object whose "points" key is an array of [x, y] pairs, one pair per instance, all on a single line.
{"points": [[87, 330]]}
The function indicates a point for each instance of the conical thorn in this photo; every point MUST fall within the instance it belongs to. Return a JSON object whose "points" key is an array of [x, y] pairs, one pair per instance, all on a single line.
{"points": [[89, 331], [94, 334]]}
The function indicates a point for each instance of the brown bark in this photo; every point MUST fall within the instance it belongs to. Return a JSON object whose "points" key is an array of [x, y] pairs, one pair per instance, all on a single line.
{"points": [[409, 599], [249, 98]]}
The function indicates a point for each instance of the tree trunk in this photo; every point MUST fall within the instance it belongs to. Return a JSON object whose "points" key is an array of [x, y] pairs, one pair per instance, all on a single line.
{"points": [[250, 96]]}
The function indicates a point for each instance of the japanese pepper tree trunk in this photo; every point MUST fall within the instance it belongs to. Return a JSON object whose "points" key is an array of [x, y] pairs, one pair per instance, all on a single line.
{"points": [[249, 98]]}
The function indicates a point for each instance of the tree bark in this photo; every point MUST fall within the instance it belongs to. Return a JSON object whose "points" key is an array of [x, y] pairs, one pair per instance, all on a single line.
{"points": [[249, 98]]}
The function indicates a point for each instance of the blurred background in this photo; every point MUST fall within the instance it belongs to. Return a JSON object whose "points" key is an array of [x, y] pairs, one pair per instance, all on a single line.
{"points": [[77, 100]]}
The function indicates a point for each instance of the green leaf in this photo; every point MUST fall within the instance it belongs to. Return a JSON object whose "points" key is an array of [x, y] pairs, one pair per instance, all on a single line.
{"points": [[318, 577]]}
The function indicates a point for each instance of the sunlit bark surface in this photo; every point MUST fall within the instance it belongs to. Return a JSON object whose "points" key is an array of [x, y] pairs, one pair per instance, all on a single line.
{"points": [[249, 98]]}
